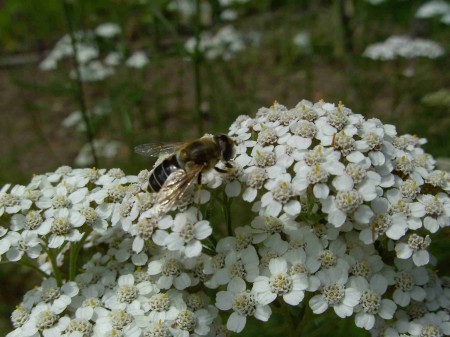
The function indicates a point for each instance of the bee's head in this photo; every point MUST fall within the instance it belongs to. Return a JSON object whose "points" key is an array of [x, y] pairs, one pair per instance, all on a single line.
{"points": [[226, 145]]}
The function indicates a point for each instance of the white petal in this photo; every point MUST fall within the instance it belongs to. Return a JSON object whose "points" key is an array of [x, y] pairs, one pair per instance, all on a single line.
{"points": [[318, 304], [139, 259], [421, 258], [294, 297], [363, 214], [401, 298], [138, 244], [321, 191], [233, 188], [351, 297], [363, 320], [266, 297], [343, 182], [273, 208], [193, 248], [403, 251], [236, 322], [224, 300], [431, 224], [155, 267], [202, 230], [343, 310], [182, 282], [292, 207], [337, 217], [237, 285], [387, 309], [261, 284], [263, 312], [355, 157], [250, 194], [278, 266]]}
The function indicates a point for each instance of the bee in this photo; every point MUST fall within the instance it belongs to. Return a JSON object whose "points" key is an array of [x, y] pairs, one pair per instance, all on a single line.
{"points": [[184, 164]]}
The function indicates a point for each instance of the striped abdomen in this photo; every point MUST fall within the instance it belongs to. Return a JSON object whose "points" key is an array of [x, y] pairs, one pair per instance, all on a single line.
{"points": [[162, 171]]}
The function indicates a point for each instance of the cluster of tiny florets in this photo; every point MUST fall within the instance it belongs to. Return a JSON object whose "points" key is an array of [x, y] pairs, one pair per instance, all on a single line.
{"points": [[340, 211]]}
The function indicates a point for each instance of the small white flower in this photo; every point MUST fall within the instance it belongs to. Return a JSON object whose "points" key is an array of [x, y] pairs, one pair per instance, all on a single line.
{"points": [[108, 30], [137, 60], [58, 297], [15, 201], [17, 245], [335, 293], [62, 226], [437, 210], [187, 233], [243, 302], [280, 197], [407, 283], [127, 294], [243, 264], [371, 303], [190, 321], [44, 320], [170, 271], [432, 324], [280, 283], [416, 247]]}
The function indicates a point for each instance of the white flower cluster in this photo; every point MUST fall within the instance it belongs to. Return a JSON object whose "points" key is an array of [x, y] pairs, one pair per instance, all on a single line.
{"points": [[224, 44], [302, 41], [186, 9], [434, 8], [92, 65], [375, 2], [343, 213], [403, 46]]}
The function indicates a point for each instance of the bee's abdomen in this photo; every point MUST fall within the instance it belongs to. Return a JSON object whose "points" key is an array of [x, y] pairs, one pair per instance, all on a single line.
{"points": [[161, 172]]}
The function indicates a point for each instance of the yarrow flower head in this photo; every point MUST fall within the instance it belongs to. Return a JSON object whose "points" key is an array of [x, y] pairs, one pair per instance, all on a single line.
{"points": [[320, 210]]}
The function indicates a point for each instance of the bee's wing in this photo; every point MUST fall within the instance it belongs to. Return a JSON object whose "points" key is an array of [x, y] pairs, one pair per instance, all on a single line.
{"points": [[175, 186], [157, 149]]}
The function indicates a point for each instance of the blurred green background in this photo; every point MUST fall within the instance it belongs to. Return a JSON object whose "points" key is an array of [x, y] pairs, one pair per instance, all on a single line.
{"points": [[143, 79]]}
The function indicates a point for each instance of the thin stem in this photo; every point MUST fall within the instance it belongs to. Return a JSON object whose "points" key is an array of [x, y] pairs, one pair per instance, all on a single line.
{"points": [[305, 319], [287, 316], [159, 15], [72, 260], [226, 206], [74, 253], [79, 90], [197, 64], [52, 258], [34, 267]]}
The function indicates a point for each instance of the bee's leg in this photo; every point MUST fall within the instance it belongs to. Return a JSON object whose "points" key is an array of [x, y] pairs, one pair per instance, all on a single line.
{"points": [[220, 170], [229, 165], [199, 194]]}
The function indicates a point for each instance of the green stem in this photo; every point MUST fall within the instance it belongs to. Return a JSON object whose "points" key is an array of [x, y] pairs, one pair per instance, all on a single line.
{"points": [[79, 90], [72, 261], [290, 326], [34, 267], [167, 23], [305, 319], [74, 253], [226, 206], [52, 258]]}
